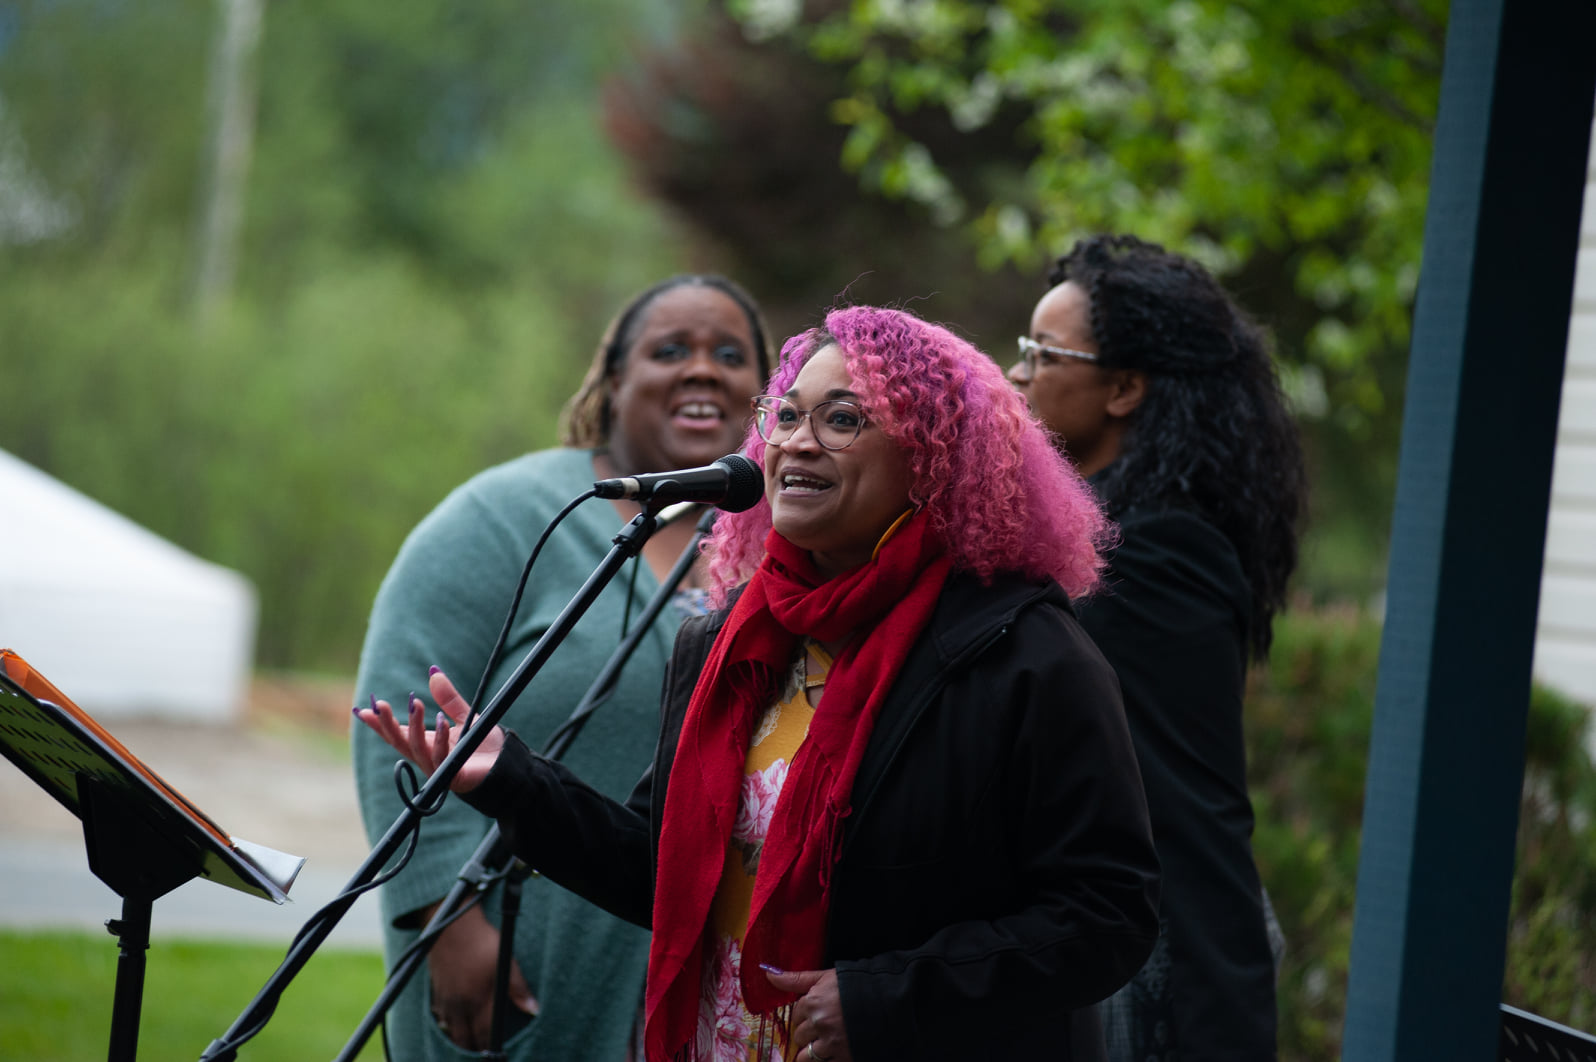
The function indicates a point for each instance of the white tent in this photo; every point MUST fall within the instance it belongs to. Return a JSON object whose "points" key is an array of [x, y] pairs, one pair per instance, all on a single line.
{"points": [[122, 621]]}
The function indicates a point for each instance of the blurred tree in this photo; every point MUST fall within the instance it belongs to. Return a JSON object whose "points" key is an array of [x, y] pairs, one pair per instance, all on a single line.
{"points": [[434, 234], [229, 144], [734, 136], [1294, 133], [104, 98], [1286, 145]]}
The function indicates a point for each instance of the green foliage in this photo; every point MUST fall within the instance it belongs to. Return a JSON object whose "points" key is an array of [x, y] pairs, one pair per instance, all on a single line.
{"points": [[394, 115], [1309, 714], [1234, 130], [1308, 718], [436, 233], [56, 991], [1552, 969], [298, 446], [90, 92], [1284, 144]]}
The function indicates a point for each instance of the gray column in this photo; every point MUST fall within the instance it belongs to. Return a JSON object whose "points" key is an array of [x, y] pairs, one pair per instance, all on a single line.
{"points": [[1490, 330]]}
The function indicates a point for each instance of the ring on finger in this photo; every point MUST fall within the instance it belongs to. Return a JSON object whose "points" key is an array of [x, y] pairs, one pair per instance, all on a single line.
{"points": [[816, 1056]]}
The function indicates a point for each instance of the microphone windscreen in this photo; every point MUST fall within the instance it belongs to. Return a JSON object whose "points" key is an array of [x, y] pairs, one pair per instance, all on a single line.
{"points": [[745, 484]]}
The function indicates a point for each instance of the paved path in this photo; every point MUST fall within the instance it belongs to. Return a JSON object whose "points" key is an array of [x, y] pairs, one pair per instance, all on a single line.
{"points": [[287, 789]]}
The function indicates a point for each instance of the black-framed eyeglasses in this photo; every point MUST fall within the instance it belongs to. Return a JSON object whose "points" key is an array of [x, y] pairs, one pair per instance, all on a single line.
{"points": [[835, 424], [1032, 353]]}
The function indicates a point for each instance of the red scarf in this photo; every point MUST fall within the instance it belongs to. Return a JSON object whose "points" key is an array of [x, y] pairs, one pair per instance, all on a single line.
{"points": [[888, 602]]}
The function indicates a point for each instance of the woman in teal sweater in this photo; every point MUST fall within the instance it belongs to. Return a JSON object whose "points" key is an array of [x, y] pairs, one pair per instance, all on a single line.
{"points": [[669, 387]]}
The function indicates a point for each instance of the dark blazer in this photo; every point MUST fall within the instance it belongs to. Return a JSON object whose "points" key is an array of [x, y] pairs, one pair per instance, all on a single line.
{"points": [[996, 874], [1173, 621]]}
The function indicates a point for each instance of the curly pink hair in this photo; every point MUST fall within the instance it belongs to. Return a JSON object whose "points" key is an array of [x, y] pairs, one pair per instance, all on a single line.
{"points": [[996, 489]]}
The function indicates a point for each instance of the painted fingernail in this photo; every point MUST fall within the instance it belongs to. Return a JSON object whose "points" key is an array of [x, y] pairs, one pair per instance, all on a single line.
{"points": [[355, 711], [433, 670], [415, 705], [441, 723], [374, 702], [771, 969]]}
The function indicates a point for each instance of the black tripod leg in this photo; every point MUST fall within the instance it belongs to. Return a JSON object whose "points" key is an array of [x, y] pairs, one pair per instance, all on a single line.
{"points": [[141, 861], [132, 931], [474, 878], [503, 1009]]}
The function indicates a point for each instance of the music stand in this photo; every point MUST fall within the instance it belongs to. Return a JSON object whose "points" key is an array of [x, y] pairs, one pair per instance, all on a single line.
{"points": [[1525, 1037], [143, 838]]}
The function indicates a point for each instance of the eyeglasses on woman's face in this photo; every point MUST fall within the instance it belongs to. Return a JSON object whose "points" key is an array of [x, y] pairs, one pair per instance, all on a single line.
{"points": [[835, 424], [1032, 353]]}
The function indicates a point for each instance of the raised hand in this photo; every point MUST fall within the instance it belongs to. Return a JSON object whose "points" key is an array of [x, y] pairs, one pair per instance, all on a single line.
{"points": [[428, 748]]}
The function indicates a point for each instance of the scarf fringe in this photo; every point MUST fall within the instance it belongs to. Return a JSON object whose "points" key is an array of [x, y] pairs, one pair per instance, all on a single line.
{"points": [[832, 852], [775, 1033]]}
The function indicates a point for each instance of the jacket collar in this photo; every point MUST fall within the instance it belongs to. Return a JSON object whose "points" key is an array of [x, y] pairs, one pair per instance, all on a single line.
{"points": [[967, 618]]}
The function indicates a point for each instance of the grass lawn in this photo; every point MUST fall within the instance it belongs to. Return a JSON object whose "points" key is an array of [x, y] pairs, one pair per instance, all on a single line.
{"points": [[56, 990]]}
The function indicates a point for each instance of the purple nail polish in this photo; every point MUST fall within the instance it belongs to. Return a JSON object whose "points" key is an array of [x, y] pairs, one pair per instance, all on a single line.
{"points": [[433, 670], [355, 711], [439, 724], [415, 705], [765, 966], [374, 702]]}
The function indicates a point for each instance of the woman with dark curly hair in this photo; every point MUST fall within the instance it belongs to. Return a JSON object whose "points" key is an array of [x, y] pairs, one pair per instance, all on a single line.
{"points": [[1164, 394]]}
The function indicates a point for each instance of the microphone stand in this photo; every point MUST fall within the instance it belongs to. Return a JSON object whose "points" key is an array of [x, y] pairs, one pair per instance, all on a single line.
{"points": [[627, 544], [491, 859]]}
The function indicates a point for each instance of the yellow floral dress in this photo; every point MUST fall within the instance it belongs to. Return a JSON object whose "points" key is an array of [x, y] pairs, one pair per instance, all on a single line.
{"points": [[727, 1032]]}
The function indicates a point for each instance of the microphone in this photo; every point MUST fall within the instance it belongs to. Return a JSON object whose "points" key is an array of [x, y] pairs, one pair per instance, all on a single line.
{"points": [[733, 483]]}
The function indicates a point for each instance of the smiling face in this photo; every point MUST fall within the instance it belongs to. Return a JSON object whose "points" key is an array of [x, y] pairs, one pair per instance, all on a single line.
{"points": [[834, 503], [680, 398]]}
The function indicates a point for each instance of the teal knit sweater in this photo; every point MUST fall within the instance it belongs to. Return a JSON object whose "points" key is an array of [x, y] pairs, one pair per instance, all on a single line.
{"points": [[443, 602]]}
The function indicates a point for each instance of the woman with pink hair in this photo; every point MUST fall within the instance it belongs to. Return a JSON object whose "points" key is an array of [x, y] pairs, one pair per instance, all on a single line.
{"points": [[895, 812]]}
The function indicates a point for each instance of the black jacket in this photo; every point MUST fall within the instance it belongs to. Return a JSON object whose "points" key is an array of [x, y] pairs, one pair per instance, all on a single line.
{"points": [[1173, 621], [997, 871]]}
